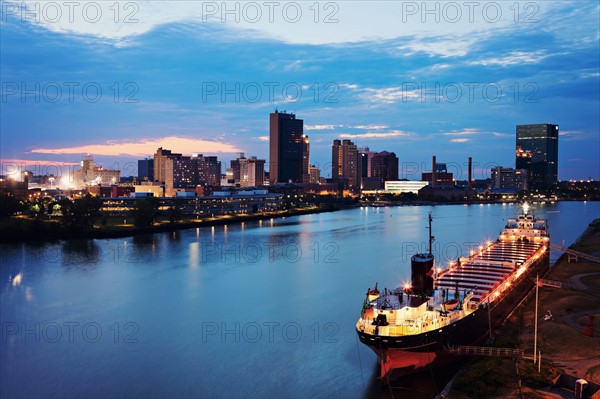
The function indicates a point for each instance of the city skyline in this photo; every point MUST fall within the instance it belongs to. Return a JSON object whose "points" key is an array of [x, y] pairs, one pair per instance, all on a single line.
{"points": [[395, 92]]}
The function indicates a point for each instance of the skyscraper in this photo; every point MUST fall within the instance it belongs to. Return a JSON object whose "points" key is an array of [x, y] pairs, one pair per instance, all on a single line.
{"points": [[537, 153], [189, 172], [344, 162], [160, 161], [289, 149]]}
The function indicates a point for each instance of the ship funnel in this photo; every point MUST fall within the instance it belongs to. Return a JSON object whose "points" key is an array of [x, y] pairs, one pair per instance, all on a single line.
{"points": [[421, 267]]}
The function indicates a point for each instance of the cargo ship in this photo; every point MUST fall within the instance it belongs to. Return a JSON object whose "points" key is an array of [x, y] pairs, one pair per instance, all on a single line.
{"points": [[411, 328]]}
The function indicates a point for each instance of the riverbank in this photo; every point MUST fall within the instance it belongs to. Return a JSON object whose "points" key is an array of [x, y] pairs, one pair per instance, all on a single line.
{"points": [[18, 229], [564, 347]]}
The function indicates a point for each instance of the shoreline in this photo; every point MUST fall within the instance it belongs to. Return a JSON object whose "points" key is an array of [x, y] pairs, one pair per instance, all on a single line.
{"points": [[17, 229], [53, 231]]}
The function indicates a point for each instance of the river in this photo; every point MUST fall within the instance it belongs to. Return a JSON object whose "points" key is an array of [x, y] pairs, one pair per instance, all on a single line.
{"points": [[253, 310]]}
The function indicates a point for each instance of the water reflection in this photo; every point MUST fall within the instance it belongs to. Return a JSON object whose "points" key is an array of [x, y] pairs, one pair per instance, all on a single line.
{"points": [[84, 254], [304, 270]]}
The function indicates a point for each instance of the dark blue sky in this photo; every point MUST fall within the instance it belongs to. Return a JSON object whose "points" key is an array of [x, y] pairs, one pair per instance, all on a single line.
{"points": [[388, 76]]}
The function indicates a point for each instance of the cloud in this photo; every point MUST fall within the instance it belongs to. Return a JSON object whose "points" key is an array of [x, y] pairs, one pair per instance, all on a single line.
{"points": [[515, 58], [262, 138], [292, 22], [377, 135], [369, 127], [35, 162], [321, 127], [464, 132], [462, 140], [185, 145]]}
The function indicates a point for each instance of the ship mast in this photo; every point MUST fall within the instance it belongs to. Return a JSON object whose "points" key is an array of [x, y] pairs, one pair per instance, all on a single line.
{"points": [[431, 237]]}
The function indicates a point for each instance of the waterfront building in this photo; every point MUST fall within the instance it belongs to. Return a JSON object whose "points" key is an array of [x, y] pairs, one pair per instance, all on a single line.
{"points": [[509, 179], [217, 203], [443, 178], [289, 149], [404, 186], [537, 153]]}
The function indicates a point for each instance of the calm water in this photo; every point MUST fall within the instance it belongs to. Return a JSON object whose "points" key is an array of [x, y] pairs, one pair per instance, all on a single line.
{"points": [[255, 310]]}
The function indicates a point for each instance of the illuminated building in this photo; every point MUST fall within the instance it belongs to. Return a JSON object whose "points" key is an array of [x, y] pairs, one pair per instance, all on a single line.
{"points": [[537, 153], [91, 174], [289, 149], [344, 162], [509, 179]]}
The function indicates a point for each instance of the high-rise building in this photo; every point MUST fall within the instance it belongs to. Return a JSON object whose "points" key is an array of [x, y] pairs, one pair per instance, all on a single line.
{"points": [[384, 166], [248, 172], [509, 179], [315, 175], [252, 172], [537, 153], [289, 149], [160, 161], [344, 162], [363, 164], [146, 169], [190, 172]]}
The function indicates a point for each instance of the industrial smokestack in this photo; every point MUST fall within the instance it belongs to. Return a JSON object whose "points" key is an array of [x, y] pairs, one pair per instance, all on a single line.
{"points": [[433, 173], [470, 172]]}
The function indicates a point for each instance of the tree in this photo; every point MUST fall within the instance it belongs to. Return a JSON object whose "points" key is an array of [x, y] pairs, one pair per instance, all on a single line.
{"points": [[174, 213], [144, 212], [10, 205], [80, 213]]}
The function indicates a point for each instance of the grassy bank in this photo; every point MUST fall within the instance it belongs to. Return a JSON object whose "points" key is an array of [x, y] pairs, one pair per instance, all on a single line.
{"points": [[17, 229]]}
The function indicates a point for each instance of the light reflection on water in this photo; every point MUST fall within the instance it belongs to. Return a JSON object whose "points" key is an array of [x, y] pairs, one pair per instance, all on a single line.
{"points": [[264, 309]]}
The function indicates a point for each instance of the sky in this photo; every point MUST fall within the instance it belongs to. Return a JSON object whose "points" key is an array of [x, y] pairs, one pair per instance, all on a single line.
{"points": [[119, 79]]}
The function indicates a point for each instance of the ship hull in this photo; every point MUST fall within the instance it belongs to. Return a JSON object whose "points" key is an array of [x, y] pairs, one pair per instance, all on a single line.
{"points": [[410, 354]]}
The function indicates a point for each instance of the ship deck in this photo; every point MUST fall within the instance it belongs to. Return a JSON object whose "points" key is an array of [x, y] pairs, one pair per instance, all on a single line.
{"points": [[488, 268]]}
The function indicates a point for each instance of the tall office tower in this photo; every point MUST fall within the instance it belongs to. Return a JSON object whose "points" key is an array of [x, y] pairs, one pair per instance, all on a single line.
{"points": [[289, 149], [537, 153], [146, 169], [384, 165], [344, 162], [160, 161]]}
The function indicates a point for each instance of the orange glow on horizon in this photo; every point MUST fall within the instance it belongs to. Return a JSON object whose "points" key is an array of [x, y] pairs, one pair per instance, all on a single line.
{"points": [[143, 147]]}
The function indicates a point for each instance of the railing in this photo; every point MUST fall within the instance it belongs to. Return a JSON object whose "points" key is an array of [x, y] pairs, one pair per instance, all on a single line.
{"points": [[486, 351], [577, 254]]}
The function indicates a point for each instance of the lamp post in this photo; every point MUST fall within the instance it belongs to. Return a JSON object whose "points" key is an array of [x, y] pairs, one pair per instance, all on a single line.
{"points": [[537, 289]]}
